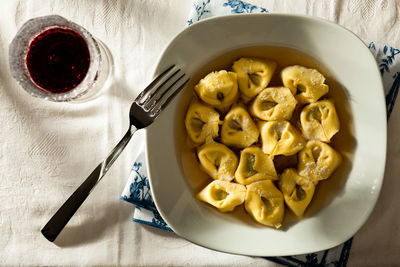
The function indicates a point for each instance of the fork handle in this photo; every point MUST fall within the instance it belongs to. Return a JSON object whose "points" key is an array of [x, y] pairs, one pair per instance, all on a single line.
{"points": [[55, 225]]}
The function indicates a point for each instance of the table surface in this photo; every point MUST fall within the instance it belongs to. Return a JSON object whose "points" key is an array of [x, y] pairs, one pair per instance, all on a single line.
{"points": [[46, 149]]}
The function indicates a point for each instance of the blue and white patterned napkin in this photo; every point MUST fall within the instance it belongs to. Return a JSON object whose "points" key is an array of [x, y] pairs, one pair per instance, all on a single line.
{"points": [[137, 190]]}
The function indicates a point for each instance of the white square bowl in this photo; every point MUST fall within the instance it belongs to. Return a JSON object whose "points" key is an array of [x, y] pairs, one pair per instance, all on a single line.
{"points": [[354, 67]]}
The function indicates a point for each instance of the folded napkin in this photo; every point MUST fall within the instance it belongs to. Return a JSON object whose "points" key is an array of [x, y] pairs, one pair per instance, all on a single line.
{"points": [[137, 190]]}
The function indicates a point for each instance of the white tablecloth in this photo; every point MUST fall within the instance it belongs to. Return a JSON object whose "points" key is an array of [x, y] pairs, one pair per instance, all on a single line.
{"points": [[47, 149]]}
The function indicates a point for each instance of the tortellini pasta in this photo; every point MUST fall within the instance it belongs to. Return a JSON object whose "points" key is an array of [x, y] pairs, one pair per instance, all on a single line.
{"points": [[320, 121], [234, 109], [223, 195], [307, 84], [317, 161], [238, 128], [254, 165], [201, 122], [218, 161], [274, 103], [297, 191], [254, 74], [280, 138], [218, 89], [264, 202]]}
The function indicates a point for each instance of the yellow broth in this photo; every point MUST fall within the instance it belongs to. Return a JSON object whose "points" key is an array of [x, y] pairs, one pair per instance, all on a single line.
{"points": [[343, 141]]}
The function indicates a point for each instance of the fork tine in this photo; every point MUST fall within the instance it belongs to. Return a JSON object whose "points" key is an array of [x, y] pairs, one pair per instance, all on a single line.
{"points": [[153, 93], [155, 100], [157, 111], [153, 84]]}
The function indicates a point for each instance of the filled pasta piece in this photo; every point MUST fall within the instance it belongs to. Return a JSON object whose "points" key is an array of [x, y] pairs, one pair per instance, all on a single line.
{"points": [[223, 195], [238, 129], [317, 161], [218, 161], [253, 74], [320, 121], [274, 103], [254, 165], [297, 191], [280, 138], [201, 122], [218, 89], [308, 85], [264, 203]]}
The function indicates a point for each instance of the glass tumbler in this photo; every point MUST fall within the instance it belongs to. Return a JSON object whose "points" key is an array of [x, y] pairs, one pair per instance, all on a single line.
{"points": [[58, 60]]}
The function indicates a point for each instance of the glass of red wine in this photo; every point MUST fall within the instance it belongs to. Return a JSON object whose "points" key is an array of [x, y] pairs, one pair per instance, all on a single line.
{"points": [[58, 60]]}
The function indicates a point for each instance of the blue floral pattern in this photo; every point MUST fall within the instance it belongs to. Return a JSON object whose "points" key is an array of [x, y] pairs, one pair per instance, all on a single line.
{"points": [[158, 220], [200, 10], [210, 8], [239, 7], [139, 189], [325, 258], [390, 54], [392, 95], [138, 193], [386, 56], [148, 217]]}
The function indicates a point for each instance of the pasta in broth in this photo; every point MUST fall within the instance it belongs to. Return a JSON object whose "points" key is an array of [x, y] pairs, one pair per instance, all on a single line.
{"points": [[282, 131]]}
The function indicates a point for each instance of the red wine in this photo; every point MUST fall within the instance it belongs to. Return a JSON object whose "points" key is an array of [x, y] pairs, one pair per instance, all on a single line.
{"points": [[58, 60]]}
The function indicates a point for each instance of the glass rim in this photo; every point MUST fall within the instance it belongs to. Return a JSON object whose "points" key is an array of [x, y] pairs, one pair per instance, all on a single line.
{"points": [[18, 51]]}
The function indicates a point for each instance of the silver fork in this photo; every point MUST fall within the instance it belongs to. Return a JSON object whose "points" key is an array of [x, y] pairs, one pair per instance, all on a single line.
{"points": [[144, 110]]}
